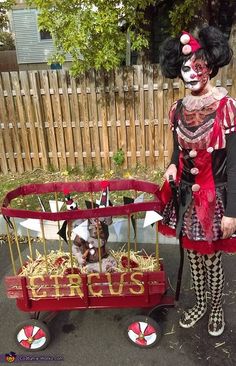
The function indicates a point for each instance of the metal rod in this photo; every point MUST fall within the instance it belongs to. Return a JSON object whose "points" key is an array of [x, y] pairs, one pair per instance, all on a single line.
{"points": [[10, 248], [91, 197], [135, 233], [98, 236], [44, 245], [157, 248], [58, 223], [70, 250], [17, 243], [29, 243], [99, 247], [28, 234], [129, 242], [135, 226]]}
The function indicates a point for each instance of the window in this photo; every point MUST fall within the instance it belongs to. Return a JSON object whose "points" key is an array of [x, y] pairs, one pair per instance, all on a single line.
{"points": [[44, 35]]}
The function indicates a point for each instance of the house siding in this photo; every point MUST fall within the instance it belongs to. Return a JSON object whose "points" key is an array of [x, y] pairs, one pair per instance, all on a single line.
{"points": [[29, 47]]}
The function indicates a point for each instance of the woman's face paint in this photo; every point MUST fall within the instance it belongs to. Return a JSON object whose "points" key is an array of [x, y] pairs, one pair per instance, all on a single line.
{"points": [[195, 74]]}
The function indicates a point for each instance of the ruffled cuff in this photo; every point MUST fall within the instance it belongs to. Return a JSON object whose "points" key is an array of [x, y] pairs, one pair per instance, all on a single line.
{"points": [[230, 116]]}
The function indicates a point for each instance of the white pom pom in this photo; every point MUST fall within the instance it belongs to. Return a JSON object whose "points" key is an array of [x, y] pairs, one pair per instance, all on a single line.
{"points": [[92, 251], [187, 49], [184, 39]]}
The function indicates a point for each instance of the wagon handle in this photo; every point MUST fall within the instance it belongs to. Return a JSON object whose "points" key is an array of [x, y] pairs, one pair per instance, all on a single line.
{"points": [[8, 221], [174, 190]]}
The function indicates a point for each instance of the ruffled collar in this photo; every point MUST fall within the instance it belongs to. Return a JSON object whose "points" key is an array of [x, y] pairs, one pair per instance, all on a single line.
{"points": [[193, 102]]}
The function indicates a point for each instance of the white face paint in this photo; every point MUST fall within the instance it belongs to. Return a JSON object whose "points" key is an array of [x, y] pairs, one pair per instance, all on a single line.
{"points": [[195, 74]]}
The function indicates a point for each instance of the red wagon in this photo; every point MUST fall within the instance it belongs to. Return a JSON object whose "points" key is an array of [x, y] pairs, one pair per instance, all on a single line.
{"points": [[134, 287]]}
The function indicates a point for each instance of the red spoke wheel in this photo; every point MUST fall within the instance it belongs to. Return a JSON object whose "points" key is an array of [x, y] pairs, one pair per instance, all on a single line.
{"points": [[32, 335], [143, 331]]}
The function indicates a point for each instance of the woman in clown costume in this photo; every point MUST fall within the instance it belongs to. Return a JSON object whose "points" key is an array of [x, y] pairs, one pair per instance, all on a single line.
{"points": [[203, 165]]}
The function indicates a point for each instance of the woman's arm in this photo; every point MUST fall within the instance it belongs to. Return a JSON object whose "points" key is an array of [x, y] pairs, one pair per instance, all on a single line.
{"points": [[231, 174], [175, 154], [228, 224], [172, 168]]}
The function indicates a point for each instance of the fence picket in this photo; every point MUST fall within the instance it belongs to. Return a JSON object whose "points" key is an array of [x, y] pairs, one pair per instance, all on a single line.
{"points": [[22, 119], [129, 116], [151, 134], [52, 143], [30, 118], [67, 117], [40, 119], [120, 106], [140, 114], [112, 114], [77, 130], [95, 140], [86, 130], [56, 104]]}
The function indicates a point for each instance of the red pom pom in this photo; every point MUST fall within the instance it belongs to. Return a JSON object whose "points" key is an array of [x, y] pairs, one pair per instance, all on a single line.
{"points": [[66, 191], [104, 184]]}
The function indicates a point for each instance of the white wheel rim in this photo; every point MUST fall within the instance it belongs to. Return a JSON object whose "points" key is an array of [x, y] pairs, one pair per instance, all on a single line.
{"points": [[142, 333]]}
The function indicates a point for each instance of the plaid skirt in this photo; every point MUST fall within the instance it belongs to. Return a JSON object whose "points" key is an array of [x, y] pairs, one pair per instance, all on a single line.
{"points": [[191, 226]]}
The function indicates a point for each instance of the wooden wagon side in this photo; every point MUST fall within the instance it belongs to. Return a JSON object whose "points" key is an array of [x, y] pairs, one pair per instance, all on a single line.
{"points": [[82, 291]]}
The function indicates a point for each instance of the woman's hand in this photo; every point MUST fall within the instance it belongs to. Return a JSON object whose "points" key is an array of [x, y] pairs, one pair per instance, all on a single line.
{"points": [[171, 170], [228, 226]]}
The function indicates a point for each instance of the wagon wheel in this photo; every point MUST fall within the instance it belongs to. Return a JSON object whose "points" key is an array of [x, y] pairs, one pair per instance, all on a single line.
{"points": [[32, 335], [143, 331]]}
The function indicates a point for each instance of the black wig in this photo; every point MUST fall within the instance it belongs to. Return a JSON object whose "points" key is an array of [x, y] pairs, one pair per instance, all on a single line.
{"points": [[214, 49]]}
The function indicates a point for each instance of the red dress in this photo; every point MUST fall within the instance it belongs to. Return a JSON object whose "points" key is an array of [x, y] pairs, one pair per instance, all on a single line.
{"points": [[206, 172]]}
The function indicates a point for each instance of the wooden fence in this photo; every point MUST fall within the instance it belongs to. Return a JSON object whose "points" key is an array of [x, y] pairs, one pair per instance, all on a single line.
{"points": [[49, 119], [8, 61]]}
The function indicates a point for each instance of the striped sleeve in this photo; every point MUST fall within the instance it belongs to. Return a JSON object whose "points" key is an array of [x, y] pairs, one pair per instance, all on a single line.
{"points": [[230, 116]]}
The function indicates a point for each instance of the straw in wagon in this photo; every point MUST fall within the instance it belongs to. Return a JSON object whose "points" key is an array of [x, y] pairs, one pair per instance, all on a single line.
{"points": [[134, 260], [57, 263]]}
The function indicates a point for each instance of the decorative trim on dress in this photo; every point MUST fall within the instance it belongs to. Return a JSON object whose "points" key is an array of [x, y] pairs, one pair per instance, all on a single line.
{"points": [[193, 102]]}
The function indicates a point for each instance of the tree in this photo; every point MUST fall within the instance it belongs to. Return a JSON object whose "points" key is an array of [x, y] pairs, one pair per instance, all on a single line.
{"points": [[6, 39], [190, 14], [93, 32]]}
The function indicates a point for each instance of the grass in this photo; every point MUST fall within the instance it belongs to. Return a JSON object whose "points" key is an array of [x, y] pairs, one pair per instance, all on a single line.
{"points": [[12, 181]]}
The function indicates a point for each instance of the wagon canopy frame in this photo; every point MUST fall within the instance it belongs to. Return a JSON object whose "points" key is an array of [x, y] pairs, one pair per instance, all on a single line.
{"points": [[84, 186]]}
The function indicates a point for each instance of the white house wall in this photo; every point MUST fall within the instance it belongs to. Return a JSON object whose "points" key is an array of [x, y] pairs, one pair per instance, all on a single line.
{"points": [[29, 47]]}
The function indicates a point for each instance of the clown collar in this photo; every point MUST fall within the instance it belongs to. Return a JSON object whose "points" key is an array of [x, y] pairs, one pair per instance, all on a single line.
{"points": [[194, 102]]}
